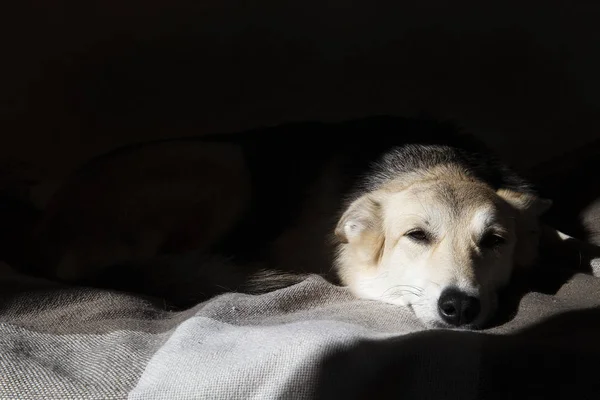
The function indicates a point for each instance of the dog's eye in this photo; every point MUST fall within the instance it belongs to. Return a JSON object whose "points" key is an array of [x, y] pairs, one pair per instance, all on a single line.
{"points": [[491, 240], [418, 235]]}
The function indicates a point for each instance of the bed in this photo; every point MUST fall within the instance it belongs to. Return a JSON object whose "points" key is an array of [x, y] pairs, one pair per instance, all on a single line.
{"points": [[310, 340]]}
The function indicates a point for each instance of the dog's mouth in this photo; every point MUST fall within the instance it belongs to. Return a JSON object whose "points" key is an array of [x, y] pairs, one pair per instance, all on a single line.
{"points": [[472, 326]]}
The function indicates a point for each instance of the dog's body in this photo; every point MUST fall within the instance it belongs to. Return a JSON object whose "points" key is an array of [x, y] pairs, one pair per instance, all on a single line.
{"points": [[409, 212]]}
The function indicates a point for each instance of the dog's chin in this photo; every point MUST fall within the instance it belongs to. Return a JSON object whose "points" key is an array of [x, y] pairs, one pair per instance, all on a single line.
{"points": [[438, 323]]}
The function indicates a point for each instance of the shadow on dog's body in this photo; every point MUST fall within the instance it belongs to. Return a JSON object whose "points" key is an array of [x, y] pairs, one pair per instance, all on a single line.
{"points": [[185, 219]]}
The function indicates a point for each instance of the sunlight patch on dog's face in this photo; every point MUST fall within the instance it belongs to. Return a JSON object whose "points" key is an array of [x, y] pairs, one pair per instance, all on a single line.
{"points": [[438, 239]]}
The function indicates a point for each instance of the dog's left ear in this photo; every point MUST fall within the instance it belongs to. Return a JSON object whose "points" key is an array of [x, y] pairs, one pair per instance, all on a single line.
{"points": [[529, 208], [526, 203]]}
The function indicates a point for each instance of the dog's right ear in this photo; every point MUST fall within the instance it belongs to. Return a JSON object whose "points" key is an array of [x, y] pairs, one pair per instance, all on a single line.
{"points": [[361, 228], [363, 216]]}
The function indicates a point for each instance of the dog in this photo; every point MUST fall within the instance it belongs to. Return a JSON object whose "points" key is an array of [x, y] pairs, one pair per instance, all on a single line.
{"points": [[408, 211]]}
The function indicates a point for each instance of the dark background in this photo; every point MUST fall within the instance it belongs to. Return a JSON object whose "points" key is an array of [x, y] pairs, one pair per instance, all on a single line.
{"points": [[79, 78]]}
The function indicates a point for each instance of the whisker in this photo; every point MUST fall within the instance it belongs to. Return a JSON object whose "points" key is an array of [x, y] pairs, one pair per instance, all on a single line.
{"points": [[435, 283], [401, 293], [420, 289], [399, 287]]}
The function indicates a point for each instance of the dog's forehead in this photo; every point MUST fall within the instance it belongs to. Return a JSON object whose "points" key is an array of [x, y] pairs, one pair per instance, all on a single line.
{"points": [[468, 201]]}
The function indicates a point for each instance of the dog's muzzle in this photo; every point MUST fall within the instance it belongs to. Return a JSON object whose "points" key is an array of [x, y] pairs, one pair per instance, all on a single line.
{"points": [[456, 308]]}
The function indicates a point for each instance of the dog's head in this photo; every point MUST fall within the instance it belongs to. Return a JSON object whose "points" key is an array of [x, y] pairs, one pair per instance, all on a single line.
{"points": [[442, 244]]}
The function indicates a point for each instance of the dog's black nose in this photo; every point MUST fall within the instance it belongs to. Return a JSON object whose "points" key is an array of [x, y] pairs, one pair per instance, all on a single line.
{"points": [[457, 308]]}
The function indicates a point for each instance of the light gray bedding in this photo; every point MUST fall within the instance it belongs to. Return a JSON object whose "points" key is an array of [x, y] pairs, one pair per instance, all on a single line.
{"points": [[311, 340]]}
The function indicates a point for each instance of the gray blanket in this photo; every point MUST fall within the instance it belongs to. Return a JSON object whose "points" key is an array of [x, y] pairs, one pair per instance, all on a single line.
{"points": [[311, 340]]}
